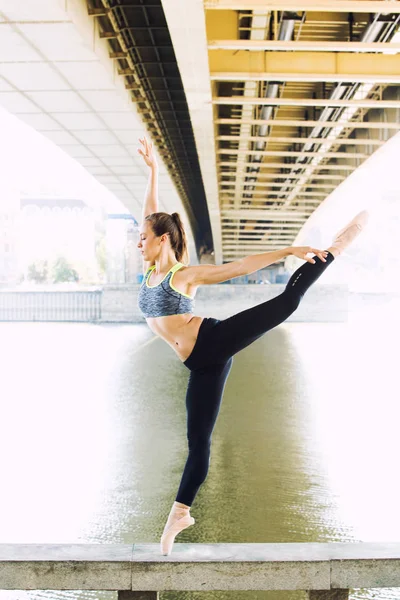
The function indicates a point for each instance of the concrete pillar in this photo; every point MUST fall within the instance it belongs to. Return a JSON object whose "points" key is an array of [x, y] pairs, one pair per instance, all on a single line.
{"points": [[10, 269], [391, 115], [328, 594], [122, 255], [115, 241], [130, 595], [133, 260], [387, 115], [206, 258]]}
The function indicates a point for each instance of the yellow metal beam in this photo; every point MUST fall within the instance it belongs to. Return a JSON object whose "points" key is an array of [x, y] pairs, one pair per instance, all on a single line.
{"points": [[307, 64], [274, 226], [269, 194], [303, 204], [257, 245], [230, 255], [226, 187], [229, 186], [237, 76], [271, 226], [292, 153], [282, 165], [221, 24], [306, 205], [266, 176], [244, 100], [299, 46], [250, 241], [304, 123], [300, 140], [289, 228], [249, 235], [355, 6], [245, 234], [264, 215], [241, 241], [265, 237]]}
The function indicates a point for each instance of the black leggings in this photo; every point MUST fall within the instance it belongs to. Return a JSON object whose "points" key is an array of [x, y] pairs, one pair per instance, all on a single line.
{"points": [[211, 360]]}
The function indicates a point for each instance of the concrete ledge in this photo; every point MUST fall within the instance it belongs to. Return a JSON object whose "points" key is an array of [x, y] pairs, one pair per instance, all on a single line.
{"points": [[141, 567], [65, 566]]}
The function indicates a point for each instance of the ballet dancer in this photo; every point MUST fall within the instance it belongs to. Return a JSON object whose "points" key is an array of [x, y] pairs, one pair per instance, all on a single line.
{"points": [[205, 345]]}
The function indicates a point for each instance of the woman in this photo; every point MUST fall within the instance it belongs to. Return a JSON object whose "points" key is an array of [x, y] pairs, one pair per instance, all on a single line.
{"points": [[206, 345]]}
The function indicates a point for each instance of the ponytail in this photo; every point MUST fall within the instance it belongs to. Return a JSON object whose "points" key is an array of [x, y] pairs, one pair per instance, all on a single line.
{"points": [[181, 249], [161, 223]]}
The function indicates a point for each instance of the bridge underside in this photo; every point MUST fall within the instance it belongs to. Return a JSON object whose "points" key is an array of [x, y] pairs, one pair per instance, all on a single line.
{"points": [[302, 93], [259, 110]]}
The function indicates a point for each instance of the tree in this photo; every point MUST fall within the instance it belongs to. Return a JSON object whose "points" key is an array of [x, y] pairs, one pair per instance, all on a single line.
{"points": [[101, 253], [62, 271], [38, 271]]}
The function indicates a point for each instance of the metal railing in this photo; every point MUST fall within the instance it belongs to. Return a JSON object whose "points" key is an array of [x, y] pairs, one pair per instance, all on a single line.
{"points": [[50, 305], [140, 571]]}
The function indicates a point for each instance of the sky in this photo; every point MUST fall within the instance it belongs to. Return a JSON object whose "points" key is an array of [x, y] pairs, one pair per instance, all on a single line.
{"points": [[33, 166], [372, 261]]}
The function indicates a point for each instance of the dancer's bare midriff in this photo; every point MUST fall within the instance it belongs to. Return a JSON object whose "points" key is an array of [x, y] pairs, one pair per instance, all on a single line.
{"points": [[179, 331]]}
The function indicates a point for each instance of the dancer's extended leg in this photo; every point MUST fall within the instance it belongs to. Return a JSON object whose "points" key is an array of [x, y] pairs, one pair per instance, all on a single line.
{"points": [[231, 335]]}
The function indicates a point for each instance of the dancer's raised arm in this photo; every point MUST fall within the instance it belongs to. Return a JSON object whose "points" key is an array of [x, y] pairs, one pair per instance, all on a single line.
{"points": [[150, 204]]}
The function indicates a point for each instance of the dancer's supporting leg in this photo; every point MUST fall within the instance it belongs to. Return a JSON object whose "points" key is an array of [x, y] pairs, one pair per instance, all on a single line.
{"points": [[203, 401]]}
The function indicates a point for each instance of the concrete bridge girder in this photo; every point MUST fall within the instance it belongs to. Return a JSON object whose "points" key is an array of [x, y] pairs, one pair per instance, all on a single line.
{"points": [[57, 76]]}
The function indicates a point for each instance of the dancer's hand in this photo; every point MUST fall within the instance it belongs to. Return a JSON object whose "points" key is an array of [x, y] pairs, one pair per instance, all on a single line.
{"points": [[302, 251], [147, 152]]}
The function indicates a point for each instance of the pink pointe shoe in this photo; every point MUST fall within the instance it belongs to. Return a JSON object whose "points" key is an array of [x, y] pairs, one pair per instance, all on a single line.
{"points": [[168, 537], [345, 236]]}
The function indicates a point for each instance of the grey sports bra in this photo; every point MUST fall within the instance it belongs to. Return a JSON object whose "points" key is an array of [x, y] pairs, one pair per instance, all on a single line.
{"points": [[163, 299]]}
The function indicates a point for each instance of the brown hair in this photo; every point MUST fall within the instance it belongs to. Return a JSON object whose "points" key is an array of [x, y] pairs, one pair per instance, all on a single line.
{"points": [[162, 222]]}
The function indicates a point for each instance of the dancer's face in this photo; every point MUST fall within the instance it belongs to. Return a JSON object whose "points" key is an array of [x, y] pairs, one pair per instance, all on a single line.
{"points": [[149, 244]]}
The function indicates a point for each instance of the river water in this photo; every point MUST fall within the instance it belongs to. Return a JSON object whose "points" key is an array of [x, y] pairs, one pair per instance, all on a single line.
{"points": [[305, 449]]}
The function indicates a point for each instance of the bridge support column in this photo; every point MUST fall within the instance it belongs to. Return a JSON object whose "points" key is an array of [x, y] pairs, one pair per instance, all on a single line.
{"points": [[129, 595], [335, 594]]}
